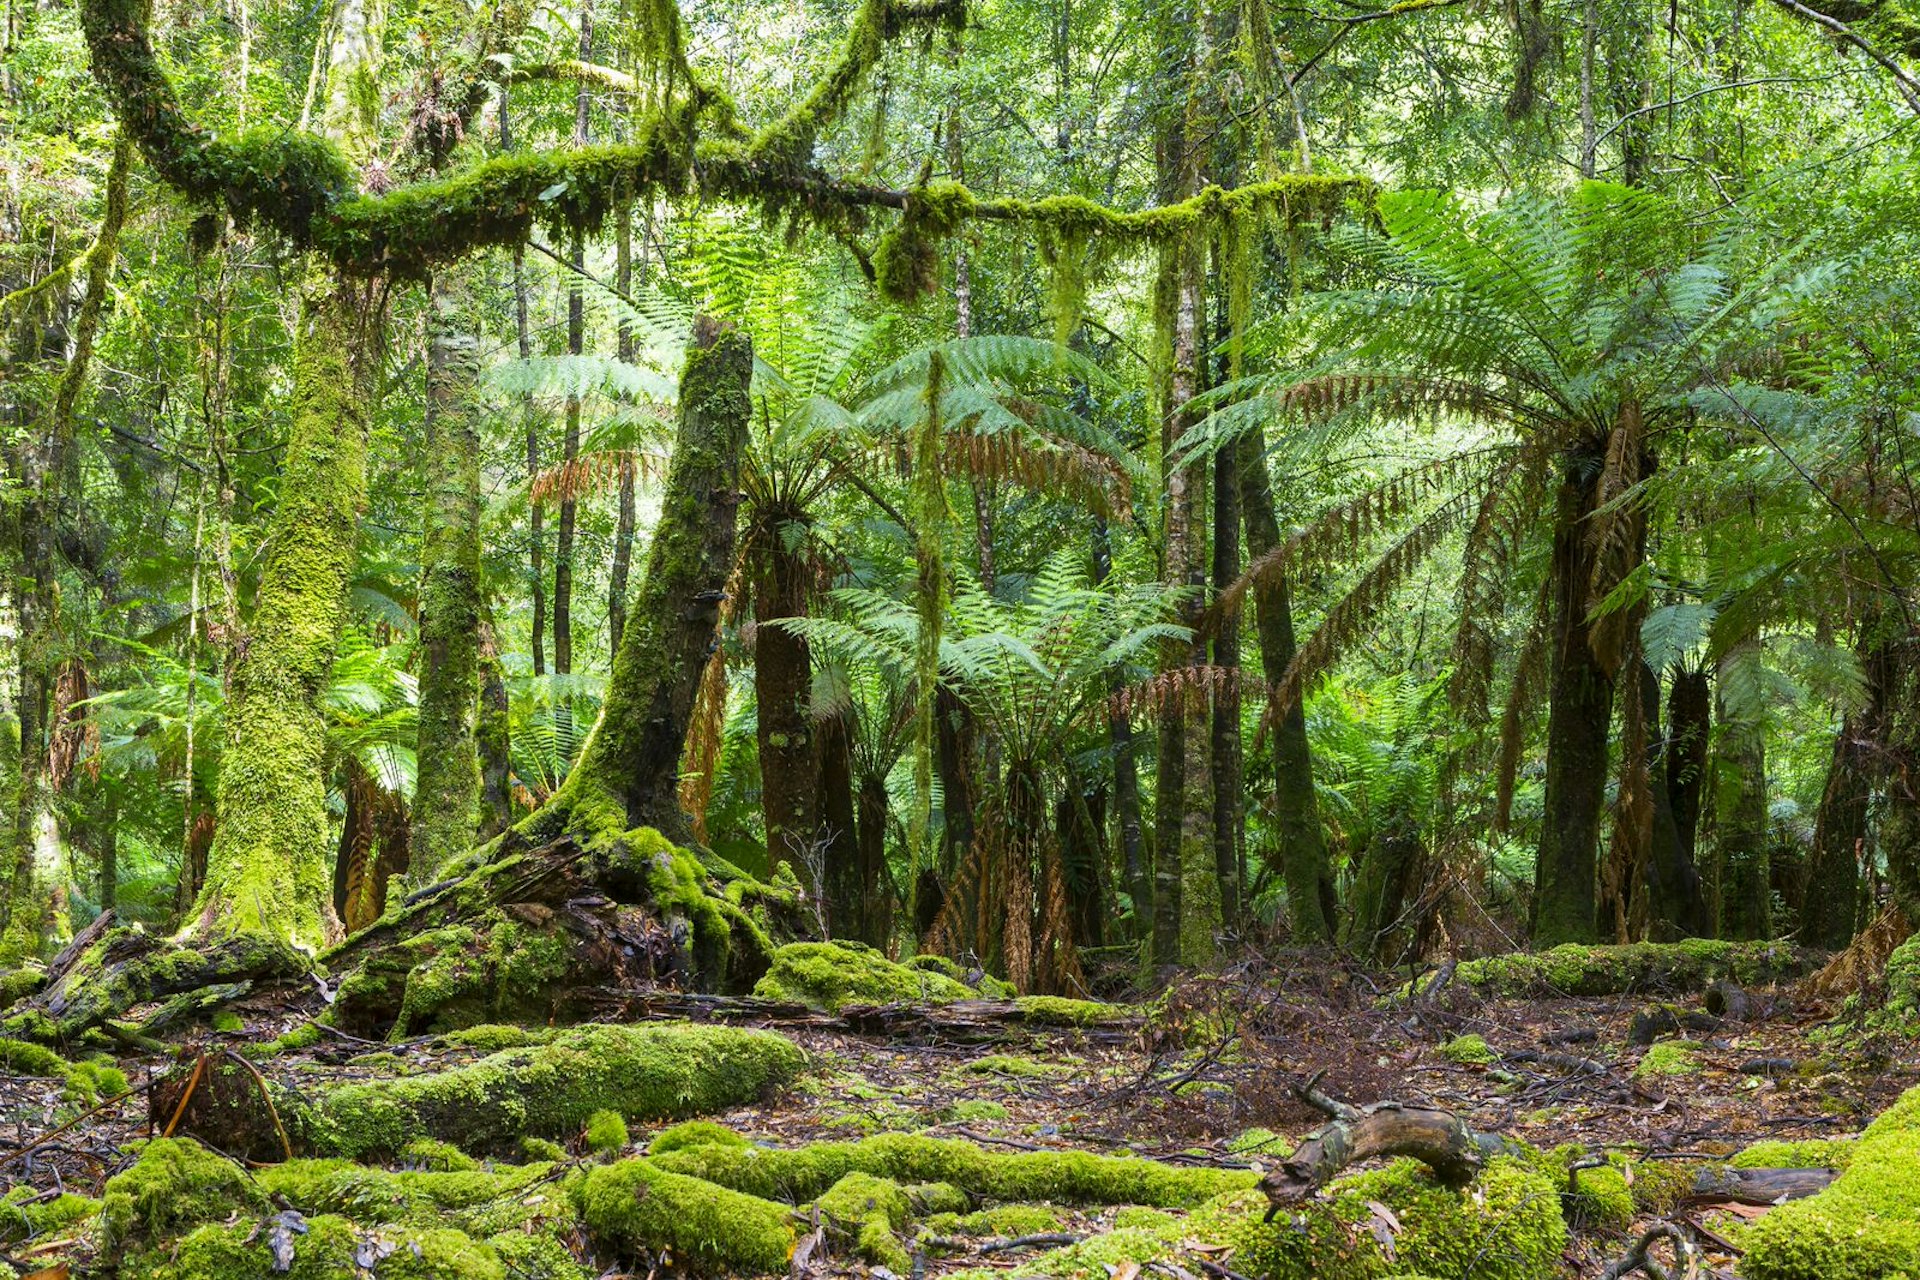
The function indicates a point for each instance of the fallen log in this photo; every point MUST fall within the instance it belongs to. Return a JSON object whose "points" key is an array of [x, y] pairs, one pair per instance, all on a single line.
{"points": [[1439, 1139]]}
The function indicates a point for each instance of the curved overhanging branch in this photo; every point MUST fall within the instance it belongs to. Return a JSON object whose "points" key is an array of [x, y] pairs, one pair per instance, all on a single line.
{"points": [[301, 186]]}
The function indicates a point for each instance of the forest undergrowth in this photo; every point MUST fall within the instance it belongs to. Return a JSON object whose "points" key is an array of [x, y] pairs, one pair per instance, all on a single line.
{"points": [[943, 1139]]}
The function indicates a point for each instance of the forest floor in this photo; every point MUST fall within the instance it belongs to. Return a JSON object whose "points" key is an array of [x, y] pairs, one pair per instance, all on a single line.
{"points": [[1210, 1083]]}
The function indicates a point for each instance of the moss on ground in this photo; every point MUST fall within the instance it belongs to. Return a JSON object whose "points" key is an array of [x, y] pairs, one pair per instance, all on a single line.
{"points": [[1469, 1050], [1689, 965], [1007, 1064], [869, 1213], [1669, 1058], [1810, 1153], [1069, 1177], [175, 1182], [24, 1214], [1866, 1226], [1003, 1220]]}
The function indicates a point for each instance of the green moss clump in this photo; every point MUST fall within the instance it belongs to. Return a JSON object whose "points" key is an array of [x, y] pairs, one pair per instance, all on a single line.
{"points": [[175, 1181], [541, 1150], [1006, 1064], [606, 1131], [801, 1174], [21, 1058], [1810, 1153], [1469, 1050], [226, 1022], [694, 1133], [1507, 1226], [1669, 1058], [1865, 1226], [634, 1205], [437, 1156], [1002, 1220], [1058, 1011], [1259, 1142], [871, 1211], [495, 1036], [974, 1111], [18, 984], [304, 1036], [331, 1249], [1598, 1196], [650, 1072], [831, 975], [23, 1215]]}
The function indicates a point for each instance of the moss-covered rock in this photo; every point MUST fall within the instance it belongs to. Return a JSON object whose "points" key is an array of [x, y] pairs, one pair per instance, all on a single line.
{"points": [[800, 1174], [24, 1214], [1866, 1226], [330, 1248], [634, 1205], [1690, 965], [830, 975]]}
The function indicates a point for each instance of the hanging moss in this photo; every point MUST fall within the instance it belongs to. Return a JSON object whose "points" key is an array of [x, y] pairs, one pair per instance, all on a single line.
{"points": [[906, 263]]}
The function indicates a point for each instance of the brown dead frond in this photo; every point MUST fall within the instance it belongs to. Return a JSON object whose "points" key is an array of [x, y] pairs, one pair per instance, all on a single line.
{"points": [[1191, 687], [1863, 965], [76, 735], [1045, 464], [1523, 694], [1393, 395], [595, 473], [1616, 534], [1338, 533], [1360, 608]]}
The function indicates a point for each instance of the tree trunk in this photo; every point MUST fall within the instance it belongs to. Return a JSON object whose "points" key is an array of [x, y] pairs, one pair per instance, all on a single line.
{"points": [[1830, 910], [536, 514], [1741, 824], [1689, 722], [1304, 863], [628, 774], [783, 684], [267, 869], [1676, 905], [1126, 773], [1579, 710], [624, 521], [563, 547], [1229, 787], [954, 748], [840, 884], [493, 741], [447, 786], [876, 897]]}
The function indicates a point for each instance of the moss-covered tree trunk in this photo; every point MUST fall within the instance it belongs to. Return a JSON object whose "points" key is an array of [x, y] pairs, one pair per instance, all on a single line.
{"points": [[1229, 783], [629, 771], [783, 684], [448, 780], [1305, 866], [624, 520], [267, 870], [1579, 710]]}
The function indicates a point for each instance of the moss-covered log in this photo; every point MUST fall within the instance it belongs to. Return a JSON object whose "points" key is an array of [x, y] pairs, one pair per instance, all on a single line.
{"points": [[1691, 965], [549, 1090]]}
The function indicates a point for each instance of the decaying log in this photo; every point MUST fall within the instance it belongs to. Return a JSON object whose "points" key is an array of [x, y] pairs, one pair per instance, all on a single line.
{"points": [[959, 1022], [1722, 1182], [1439, 1139]]}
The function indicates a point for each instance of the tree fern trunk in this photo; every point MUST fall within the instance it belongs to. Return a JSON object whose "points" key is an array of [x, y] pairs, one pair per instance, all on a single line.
{"points": [[840, 884], [447, 789], [783, 679], [1831, 907], [1579, 711], [1305, 866], [1676, 905]]}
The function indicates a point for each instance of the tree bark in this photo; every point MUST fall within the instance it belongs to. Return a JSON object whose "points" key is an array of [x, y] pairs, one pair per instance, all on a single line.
{"points": [[1689, 722], [1305, 866], [1229, 786], [267, 869], [1579, 710], [628, 773], [839, 833], [493, 741], [447, 786], [625, 520], [536, 514], [1135, 872]]}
